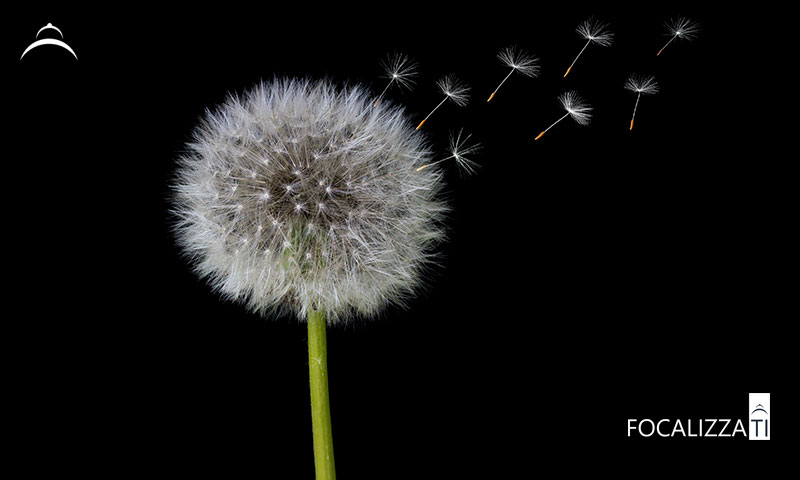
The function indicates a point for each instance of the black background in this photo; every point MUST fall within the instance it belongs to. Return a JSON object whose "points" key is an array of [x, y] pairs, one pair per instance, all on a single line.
{"points": [[595, 275]]}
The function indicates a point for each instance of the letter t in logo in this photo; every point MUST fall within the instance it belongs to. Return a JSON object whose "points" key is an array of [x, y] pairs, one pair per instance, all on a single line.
{"points": [[759, 416]]}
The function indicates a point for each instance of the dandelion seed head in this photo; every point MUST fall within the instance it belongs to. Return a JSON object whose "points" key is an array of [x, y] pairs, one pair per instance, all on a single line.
{"points": [[377, 219], [576, 107], [645, 84], [595, 31], [520, 61], [683, 28], [455, 89]]}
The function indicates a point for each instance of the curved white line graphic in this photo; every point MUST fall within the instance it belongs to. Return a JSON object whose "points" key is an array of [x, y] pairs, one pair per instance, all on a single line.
{"points": [[49, 25], [48, 41]]}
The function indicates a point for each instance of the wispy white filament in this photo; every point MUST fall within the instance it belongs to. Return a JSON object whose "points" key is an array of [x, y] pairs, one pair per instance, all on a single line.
{"points": [[575, 108], [459, 150], [594, 31], [454, 90], [645, 84], [517, 61], [641, 84], [680, 28], [399, 69]]}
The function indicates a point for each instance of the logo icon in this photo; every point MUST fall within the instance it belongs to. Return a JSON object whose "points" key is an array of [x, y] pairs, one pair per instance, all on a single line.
{"points": [[759, 416], [49, 41]]}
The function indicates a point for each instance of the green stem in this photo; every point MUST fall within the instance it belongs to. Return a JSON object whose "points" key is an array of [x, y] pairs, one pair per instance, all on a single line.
{"points": [[320, 404]]}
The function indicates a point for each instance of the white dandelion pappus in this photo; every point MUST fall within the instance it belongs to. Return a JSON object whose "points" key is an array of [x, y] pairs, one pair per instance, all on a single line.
{"points": [[575, 107], [645, 84], [517, 61], [594, 31], [296, 197], [453, 89], [399, 69], [642, 85], [459, 149], [681, 28]]}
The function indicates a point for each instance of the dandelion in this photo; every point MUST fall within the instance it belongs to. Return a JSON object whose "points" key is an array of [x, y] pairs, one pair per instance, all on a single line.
{"points": [[297, 197], [459, 149], [575, 107], [593, 31], [682, 28], [640, 84], [517, 61], [398, 69], [454, 90]]}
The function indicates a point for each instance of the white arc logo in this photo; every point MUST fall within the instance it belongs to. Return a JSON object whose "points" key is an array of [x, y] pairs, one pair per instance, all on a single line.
{"points": [[49, 41]]}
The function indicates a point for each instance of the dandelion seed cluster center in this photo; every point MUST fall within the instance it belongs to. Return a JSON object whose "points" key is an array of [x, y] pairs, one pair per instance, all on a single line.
{"points": [[282, 185]]}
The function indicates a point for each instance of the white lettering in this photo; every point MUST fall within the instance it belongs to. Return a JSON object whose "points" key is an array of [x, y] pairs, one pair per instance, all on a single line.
{"points": [[722, 432], [658, 427], [652, 427], [662, 428], [708, 432], [678, 426], [630, 426], [739, 428]]}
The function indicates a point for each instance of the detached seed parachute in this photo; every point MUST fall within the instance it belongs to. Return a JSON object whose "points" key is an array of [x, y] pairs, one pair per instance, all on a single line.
{"points": [[453, 89], [459, 149], [575, 107], [681, 28], [398, 69], [517, 61], [594, 31], [640, 84]]}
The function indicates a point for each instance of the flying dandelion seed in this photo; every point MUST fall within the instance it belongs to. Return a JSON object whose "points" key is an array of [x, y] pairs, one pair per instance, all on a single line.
{"points": [[575, 107], [517, 61], [682, 28], [453, 89], [641, 84], [594, 31], [459, 149], [398, 69]]}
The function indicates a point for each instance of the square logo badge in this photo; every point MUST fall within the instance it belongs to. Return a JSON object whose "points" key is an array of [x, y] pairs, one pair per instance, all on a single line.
{"points": [[759, 416]]}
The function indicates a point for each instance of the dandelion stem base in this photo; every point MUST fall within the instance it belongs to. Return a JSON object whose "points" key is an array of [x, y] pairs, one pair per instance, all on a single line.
{"points": [[320, 402]]}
